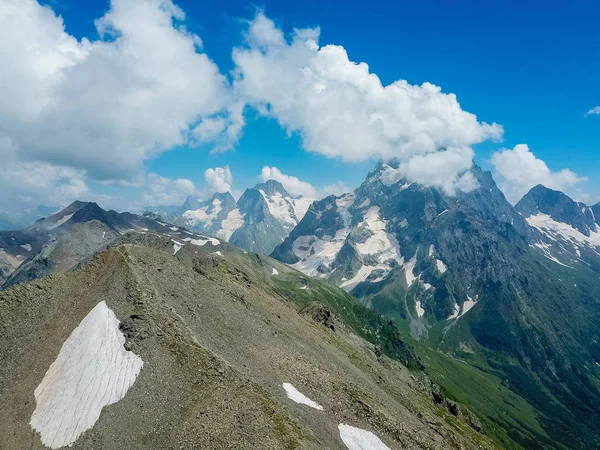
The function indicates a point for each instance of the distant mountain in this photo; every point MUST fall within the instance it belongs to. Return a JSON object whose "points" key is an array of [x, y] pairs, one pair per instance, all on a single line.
{"points": [[466, 274], [260, 220], [567, 232], [63, 240], [24, 217]]}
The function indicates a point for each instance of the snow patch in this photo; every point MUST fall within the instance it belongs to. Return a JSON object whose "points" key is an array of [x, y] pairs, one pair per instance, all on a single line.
{"points": [[233, 221], [201, 215], [275, 271], [559, 230], [379, 243], [455, 312], [345, 201], [298, 397], [390, 176], [218, 253], [202, 241], [359, 439], [26, 247], [313, 252], [176, 246], [59, 222], [467, 305], [409, 267], [441, 267], [287, 210], [174, 228], [420, 310], [91, 371]]}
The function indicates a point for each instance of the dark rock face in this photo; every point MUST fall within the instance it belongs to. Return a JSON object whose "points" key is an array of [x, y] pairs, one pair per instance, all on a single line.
{"points": [[272, 187], [596, 212]]}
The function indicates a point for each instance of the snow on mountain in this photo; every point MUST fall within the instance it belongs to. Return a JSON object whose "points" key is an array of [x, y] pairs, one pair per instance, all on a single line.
{"points": [[298, 397], [202, 215], [566, 231], [258, 221], [358, 439], [92, 370], [390, 232], [233, 221]]}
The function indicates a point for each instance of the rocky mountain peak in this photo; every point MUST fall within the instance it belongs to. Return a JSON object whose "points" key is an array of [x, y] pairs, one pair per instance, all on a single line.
{"points": [[252, 203], [559, 206], [272, 187]]}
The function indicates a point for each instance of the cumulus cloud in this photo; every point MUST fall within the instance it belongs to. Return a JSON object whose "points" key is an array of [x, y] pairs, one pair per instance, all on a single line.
{"points": [[291, 184], [219, 179], [594, 111], [105, 105], [519, 170], [336, 189], [165, 191], [33, 183], [340, 109]]}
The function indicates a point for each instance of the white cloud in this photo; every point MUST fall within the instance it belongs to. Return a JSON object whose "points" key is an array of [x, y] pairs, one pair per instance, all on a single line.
{"points": [[291, 184], [34, 183], [342, 110], [159, 190], [520, 170], [336, 189], [447, 169], [219, 179], [105, 105], [594, 111]]}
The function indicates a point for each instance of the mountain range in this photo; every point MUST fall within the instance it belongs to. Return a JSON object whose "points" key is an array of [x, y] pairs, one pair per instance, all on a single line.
{"points": [[260, 220], [159, 337], [496, 286], [488, 309]]}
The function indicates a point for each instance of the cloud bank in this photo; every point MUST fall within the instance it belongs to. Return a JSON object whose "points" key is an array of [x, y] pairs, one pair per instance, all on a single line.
{"points": [[104, 106], [342, 110], [96, 109]]}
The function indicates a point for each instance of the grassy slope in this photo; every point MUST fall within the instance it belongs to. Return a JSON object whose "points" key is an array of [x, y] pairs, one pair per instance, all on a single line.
{"points": [[512, 399], [497, 407]]}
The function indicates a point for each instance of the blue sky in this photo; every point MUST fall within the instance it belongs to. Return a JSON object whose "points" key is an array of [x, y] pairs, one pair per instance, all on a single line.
{"points": [[530, 66]]}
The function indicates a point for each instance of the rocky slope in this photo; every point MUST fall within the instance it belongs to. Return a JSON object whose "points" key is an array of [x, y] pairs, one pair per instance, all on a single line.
{"points": [[463, 275], [260, 220], [567, 232], [210, 347]]}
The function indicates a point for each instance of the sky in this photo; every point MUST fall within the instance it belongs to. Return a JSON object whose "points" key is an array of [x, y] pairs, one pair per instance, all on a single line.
{"points": [[143, 102]]}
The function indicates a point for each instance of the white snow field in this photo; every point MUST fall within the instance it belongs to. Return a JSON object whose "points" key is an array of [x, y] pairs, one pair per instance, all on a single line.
{"points": [[359, 439], [295, 395], [92, 370]]}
